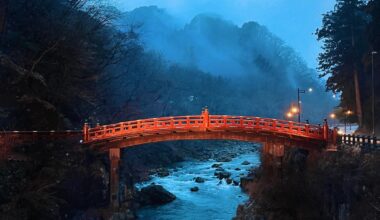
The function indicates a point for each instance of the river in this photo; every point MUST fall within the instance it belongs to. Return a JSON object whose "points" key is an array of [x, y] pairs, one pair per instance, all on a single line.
{"points": [[214, 200]]}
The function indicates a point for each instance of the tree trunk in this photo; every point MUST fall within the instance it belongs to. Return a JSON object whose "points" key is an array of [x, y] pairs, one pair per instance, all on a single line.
{"points": [[3, 14], [358, 102]]}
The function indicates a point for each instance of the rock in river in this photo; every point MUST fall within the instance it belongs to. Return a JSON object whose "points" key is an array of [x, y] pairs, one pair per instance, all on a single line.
{"points": [[162, 172], [194, 189], [224, 159], [245, 163], [155, 195], [216, 165], [199, 180], [228, 180], [222, 174]]}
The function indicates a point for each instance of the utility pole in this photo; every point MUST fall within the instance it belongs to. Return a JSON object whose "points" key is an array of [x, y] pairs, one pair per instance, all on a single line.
{"points": [[299, 91], [299, 103]]}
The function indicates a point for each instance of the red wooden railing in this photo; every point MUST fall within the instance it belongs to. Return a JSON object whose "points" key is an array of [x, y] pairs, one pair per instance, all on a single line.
{"points": [[205, 122]]}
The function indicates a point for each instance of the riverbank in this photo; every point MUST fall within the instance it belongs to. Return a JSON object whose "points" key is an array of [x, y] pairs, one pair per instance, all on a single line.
{"points": [[341, 185]]}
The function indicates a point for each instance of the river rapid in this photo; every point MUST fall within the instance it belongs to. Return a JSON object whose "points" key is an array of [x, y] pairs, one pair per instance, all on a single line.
{"points": [[215, 199]]}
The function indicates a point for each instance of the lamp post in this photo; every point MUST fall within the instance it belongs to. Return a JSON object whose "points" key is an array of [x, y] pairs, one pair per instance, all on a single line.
{"points": [[373, 95], [299, 91]]}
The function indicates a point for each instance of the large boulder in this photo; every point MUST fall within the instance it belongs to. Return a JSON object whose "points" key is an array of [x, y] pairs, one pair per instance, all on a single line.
{"points": [[155, 195], [222, 174]]}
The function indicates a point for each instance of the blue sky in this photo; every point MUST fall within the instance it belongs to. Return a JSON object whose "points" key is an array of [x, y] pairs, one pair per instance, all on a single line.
{"points": [[295, 21]]}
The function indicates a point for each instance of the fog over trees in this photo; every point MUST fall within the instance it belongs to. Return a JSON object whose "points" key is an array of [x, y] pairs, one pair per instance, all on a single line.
{"points": [[260, 72]]}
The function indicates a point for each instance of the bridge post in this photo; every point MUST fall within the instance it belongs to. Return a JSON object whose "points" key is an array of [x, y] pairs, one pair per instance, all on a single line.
{"points": [[325, 130], [266, 158], [335, 136], [206, 117], [85, 132], [114, 157]]}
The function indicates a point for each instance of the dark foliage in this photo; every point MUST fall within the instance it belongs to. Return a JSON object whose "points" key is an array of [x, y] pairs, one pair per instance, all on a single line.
{"points": [[350, 33], [343, 185]]}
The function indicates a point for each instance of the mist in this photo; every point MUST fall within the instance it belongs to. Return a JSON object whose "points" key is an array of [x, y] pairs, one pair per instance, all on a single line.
{"points": [[258, 69], [279, 16]]}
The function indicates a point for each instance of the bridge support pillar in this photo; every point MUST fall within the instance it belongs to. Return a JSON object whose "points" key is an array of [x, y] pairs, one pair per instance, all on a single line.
{"points": [[114, 157], [271, 158]]}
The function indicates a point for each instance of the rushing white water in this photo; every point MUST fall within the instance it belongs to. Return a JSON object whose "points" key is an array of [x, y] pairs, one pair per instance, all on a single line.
{"points": [[214, 200]]}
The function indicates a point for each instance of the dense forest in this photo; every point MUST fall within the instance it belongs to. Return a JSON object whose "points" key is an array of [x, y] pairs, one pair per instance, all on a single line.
{"points": [[350, 34]]}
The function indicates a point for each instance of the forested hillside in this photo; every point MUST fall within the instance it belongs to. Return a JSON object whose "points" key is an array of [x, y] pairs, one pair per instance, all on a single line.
{"points": [[263, 71]]}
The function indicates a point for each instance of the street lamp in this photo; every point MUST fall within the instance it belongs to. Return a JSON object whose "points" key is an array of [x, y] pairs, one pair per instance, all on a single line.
{"points": [[289, 115], [294, 110], [299, 91], [373, 95]]}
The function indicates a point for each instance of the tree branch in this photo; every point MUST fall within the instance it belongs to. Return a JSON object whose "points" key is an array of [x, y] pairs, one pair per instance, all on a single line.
{"points": [[6, 62]]}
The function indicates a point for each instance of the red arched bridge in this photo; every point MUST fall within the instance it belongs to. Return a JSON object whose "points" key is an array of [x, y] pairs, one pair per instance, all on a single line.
{"points": [[275, 135], [206, 127]]}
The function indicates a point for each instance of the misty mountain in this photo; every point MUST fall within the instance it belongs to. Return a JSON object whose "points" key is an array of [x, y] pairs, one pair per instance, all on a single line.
{"points": [[264, 72]]}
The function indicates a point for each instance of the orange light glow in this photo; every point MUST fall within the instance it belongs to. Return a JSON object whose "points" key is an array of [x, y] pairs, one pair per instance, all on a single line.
{"points": [[349, 112], [289, 115], [294, 110], [332, 116]]}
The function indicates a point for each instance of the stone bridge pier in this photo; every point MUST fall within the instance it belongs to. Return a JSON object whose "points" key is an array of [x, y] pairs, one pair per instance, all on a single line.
{"points": [[114, 159], [272, 155]]}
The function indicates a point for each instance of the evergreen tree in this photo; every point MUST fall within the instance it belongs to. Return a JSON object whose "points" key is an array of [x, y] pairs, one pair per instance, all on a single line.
{"points": [[344, 36]]}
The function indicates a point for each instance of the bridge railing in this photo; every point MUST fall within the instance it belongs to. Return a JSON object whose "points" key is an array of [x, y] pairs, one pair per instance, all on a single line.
{"points": [[274, 125], [202, 122]]}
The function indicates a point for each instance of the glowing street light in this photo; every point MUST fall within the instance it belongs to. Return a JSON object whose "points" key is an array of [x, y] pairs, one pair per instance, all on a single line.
{"points": [[332, 116], [289, 115], [347, 113], [310, 89], [294, 110]]}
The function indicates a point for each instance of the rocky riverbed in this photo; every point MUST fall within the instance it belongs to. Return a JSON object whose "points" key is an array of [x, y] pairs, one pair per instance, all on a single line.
{"points": [[203, 189]]}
